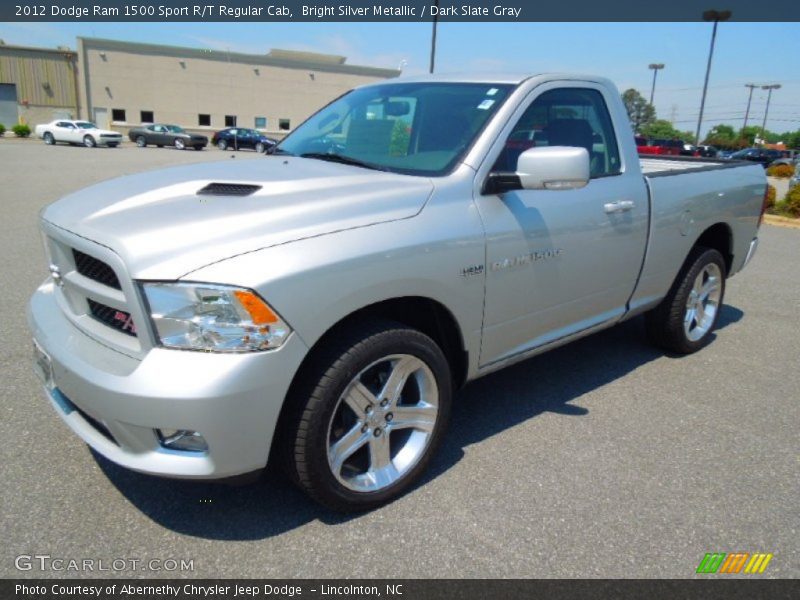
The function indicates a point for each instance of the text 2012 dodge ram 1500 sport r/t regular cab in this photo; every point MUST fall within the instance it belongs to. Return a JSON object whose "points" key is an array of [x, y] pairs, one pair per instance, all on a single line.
{"points": [[320, 306]]}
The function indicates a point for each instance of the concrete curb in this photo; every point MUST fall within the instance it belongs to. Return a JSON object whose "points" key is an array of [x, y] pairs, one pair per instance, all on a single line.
{"points": [[782, 221]]}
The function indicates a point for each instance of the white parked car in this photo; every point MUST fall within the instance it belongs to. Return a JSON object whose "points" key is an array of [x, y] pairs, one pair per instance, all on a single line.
{"points": [[77, 132]]}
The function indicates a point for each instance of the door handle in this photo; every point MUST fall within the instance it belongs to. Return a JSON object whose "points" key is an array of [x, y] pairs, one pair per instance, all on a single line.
{"points": [[619, 206]]}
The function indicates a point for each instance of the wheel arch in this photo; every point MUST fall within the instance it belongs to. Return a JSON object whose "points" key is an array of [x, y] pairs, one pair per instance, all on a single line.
{"points": [[719, 237], [427, 315]]}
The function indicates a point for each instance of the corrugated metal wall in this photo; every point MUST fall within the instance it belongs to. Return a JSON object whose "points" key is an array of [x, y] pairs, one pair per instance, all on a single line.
{"points": [[42, 78]]}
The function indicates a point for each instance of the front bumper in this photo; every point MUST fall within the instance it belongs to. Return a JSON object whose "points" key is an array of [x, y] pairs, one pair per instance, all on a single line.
{"points": [[105, 141], [233, 400]]}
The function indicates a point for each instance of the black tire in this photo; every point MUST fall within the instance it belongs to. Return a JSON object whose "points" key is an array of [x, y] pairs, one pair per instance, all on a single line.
{"points": [[315, 398], [49, 139], [665, 323], [260, 147], [89, 141], [180, 144], [222, 145], [141, 141]]}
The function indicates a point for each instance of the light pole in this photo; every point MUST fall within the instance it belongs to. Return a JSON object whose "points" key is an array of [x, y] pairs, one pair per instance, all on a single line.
{"points": [[716, 16], [656, 68], [752, 86], [770, 87], [433, 37]]}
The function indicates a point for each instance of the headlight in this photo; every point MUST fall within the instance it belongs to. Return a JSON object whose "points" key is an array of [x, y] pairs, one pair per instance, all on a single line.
{"points": [[215, 318]]}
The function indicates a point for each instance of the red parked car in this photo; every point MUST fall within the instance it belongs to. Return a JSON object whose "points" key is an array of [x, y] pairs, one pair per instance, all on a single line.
{"points": [[659, 146]]}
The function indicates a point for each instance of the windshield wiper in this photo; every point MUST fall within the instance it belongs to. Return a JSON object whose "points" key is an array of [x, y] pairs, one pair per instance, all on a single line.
{"points": [[339, 158], [276, 150]]}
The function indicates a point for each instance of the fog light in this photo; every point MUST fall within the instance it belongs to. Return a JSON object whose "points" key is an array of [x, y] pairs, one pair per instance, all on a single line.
{"points": [[182, 439]]}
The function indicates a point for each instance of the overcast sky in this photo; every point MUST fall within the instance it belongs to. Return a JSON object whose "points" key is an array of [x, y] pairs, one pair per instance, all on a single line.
{"points": [[745, 53]]}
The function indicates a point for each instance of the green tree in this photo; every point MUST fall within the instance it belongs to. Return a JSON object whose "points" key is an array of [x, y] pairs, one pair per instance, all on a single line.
{"points": [[640, 112], [792, 139], [721, 135], [748, 134], [401, 137], [660, 128]]}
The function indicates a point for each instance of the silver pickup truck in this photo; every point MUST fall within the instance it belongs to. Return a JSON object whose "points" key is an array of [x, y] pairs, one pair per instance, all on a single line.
{"points": [[320, 306]]}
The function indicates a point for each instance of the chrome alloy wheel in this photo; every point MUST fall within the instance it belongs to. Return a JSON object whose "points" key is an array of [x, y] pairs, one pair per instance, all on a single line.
{"points": [[382, 423], [702, 303]]}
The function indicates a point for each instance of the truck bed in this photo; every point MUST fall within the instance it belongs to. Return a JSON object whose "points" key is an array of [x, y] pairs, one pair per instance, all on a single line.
{"points": [[654, 166]]}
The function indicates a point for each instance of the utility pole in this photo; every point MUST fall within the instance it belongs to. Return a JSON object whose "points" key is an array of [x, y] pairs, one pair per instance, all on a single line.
{"points": [[770, 87], [656, 68], [752, 86], [716, 16]]}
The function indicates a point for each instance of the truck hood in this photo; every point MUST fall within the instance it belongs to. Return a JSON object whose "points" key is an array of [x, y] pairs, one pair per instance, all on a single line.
{"points": [[162, 228]]}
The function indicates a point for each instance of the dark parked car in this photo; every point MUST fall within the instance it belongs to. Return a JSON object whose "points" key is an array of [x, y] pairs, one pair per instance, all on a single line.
{"points": [[707, 151], [166, 135], [759, 155], [237, 138]]}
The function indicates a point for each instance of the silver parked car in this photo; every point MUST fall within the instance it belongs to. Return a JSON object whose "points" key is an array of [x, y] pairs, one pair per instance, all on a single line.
{"points": [[320, 307]]}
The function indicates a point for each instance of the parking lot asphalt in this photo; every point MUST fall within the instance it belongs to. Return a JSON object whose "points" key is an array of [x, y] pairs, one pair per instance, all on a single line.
{"points": [[605, 458]]}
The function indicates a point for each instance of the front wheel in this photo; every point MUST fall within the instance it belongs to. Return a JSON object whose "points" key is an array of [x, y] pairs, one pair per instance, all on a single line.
{"points": [[686, 318], [371, 411], [89, 141], [141, 142], [49, 139], [180, 144], [260, 147], [222, 145]]}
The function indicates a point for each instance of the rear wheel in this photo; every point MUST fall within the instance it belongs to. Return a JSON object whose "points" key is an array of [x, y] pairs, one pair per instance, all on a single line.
{"points": [[49, 139], [369, 414], [141, 141], [686, 318], [222, 145], [180, 144], [89, 141]]}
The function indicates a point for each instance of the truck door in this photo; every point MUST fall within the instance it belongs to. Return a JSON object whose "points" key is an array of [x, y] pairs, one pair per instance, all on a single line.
{"points": [[561, 261]]}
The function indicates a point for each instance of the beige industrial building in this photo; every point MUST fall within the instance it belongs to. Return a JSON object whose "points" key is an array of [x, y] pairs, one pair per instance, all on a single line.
{"points": [[123, 84], [37, 84]]}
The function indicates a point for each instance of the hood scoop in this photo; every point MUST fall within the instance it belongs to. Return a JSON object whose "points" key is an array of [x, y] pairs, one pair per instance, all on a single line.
{"points": [[228, 189]]}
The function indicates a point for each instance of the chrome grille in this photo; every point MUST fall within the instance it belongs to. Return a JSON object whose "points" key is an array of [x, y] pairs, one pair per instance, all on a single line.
{"points": [[96, 293]]}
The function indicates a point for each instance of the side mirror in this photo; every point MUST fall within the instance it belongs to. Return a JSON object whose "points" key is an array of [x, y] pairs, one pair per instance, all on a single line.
{"points": [[553, 168]]}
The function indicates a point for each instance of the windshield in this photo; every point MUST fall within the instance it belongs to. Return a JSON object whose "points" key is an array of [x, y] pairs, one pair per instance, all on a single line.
{"points": [[86, 125], [416, 128], [174, 129]]}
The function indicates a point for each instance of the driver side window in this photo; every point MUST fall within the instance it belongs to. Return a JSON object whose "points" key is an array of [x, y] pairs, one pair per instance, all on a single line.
{"points": [[573, 117]]}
